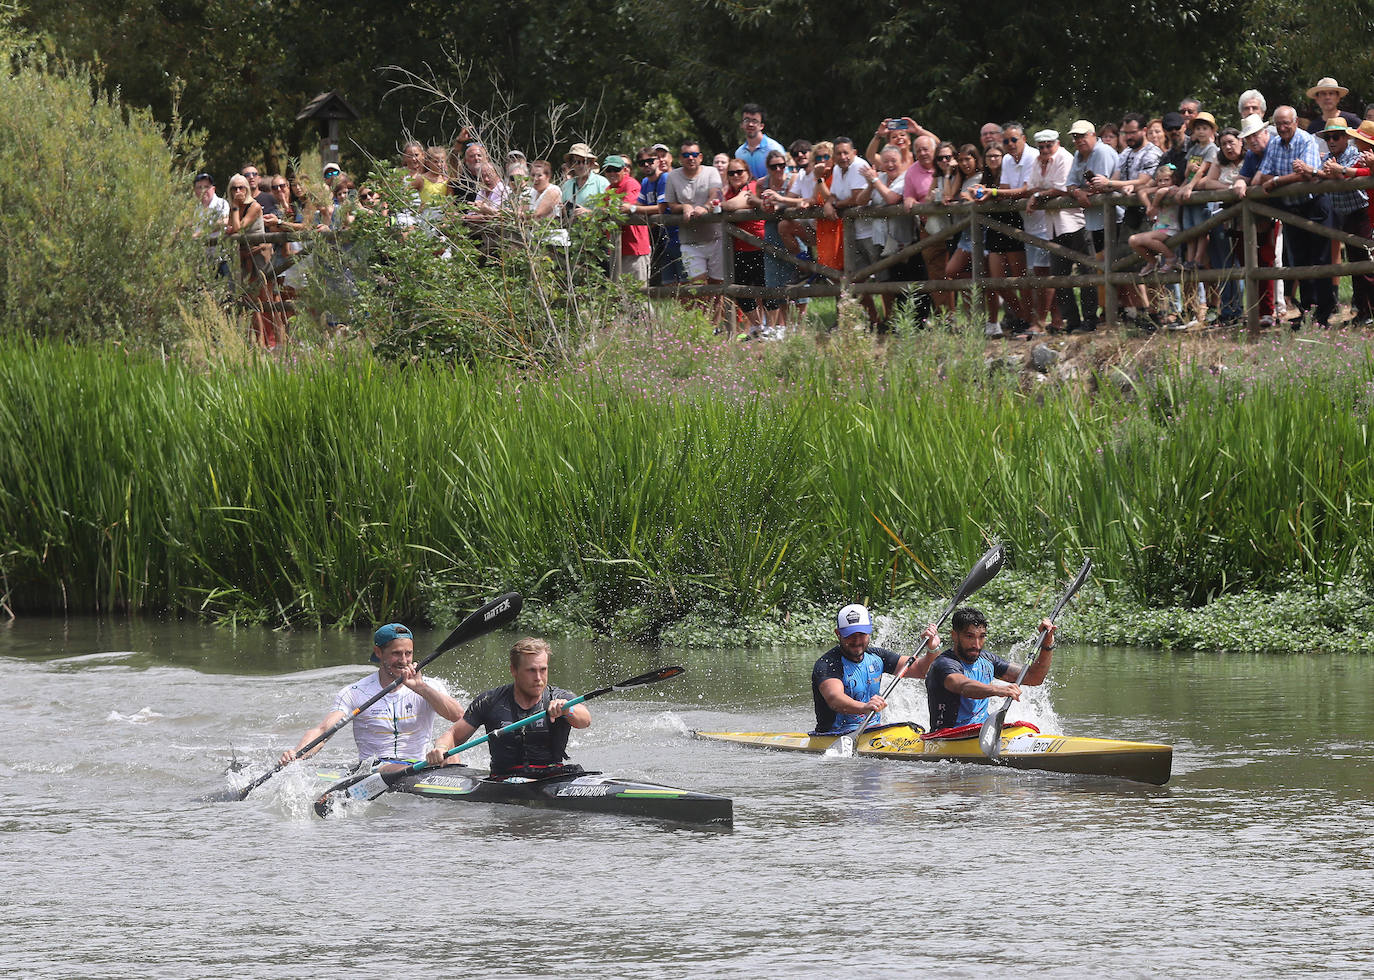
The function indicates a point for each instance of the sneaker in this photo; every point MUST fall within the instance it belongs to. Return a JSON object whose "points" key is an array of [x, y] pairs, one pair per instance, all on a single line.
{"points": [[993, 330], [1266, 321], [1176, 324]]}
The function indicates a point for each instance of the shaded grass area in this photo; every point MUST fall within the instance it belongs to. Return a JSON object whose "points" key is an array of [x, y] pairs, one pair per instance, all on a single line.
{"points": [[670, 486]]}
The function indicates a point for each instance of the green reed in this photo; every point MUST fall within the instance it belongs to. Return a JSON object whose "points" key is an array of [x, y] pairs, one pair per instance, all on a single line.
{"points": [[349, 490]]}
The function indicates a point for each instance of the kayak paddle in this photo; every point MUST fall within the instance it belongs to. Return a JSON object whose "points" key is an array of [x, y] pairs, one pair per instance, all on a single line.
{"points": [[370, 785], [984, 572], [990, 735], [493, 615]]}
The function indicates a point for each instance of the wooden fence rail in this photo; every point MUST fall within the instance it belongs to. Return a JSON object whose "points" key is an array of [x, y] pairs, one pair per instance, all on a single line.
{"points": [[1108, 273]]}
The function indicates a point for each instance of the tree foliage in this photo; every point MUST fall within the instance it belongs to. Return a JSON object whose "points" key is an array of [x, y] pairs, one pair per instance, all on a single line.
{"points": [[819, 68]]}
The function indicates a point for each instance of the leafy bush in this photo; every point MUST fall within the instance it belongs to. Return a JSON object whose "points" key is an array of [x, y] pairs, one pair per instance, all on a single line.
{"points": [[94, 209], [444, 288]]}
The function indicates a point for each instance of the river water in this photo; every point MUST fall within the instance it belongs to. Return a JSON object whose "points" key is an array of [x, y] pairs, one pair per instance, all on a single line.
{"points": [[1255, 857]]}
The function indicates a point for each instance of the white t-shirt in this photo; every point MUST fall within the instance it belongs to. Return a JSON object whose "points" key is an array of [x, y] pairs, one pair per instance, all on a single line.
{"points": [[1016, 173], [398, 726], [846, 182]]}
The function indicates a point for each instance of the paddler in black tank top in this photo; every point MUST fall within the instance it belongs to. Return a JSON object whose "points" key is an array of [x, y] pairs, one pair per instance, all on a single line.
{"points": [[539, 747]]}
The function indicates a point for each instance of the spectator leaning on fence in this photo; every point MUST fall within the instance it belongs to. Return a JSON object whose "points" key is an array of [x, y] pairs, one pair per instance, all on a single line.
{"points": [[1364, 304], [630, 257], [694, 191], [581, 190], [1064, 226], [1091, 157], [1349, 209], [1255, 136], [1288, 160]]}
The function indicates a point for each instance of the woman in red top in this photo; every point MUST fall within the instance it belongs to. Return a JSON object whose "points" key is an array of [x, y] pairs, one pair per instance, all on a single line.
{"points": [[739, 189]]}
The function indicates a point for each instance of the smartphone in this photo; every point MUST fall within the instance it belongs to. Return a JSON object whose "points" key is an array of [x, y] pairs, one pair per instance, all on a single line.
{"points": [[896, 124]]}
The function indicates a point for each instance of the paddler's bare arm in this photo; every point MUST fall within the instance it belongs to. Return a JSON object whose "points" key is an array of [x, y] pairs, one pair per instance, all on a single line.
{"points": [[578, 716], [330, 720], [458, 734], [920, 665], [443, 705], [832, 689], [1041, 667]]}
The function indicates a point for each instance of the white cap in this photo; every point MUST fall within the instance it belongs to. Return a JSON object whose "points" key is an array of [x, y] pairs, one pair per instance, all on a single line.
{"points": [[1047, 136], [1082, 128], [853, 618]]}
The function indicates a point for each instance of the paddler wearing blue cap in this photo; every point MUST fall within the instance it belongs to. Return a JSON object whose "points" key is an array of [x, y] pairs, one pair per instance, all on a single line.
{"points": [[847, 678], [396, 729]]}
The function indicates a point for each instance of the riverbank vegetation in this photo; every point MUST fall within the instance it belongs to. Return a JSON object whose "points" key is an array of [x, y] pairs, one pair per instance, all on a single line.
{"points": [[667, 479]]}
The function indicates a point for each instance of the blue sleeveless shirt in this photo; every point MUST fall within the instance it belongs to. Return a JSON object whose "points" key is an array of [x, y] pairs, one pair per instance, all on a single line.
{"points": [[861, 681]]}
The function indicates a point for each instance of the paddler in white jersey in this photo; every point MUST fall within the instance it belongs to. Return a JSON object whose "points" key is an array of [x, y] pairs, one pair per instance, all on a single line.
{"points": [[396, 730]]}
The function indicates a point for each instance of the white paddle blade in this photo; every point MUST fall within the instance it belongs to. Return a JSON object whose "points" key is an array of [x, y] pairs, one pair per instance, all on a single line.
{"points": [[841, 748], [990, 738]]}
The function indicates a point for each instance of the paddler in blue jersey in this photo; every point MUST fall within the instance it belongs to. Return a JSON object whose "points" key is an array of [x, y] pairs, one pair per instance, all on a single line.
{"points": [[961, 679], [846, 680]]}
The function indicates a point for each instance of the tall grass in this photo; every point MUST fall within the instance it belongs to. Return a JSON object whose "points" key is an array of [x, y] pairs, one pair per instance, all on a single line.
{"points": [[352, 490]]}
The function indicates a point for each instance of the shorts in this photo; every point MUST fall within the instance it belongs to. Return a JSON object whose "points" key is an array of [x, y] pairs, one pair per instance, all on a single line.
{"points": [[703, 260], [1037, 258], [995, 241], [633, 267], [1192, 214], [866, 252]]}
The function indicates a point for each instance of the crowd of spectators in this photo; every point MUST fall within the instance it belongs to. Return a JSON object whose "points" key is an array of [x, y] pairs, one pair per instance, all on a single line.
{"points": [[1159, 163]]}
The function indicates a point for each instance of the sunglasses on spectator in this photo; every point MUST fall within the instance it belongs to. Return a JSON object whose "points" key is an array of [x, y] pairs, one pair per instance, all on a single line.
{"points": [[250, 173], [736, 173], [945, 156], [1010, 140], [279, 187], [777, 166], [689, 153], [646, 163], [823, 156], [1333, 136]]}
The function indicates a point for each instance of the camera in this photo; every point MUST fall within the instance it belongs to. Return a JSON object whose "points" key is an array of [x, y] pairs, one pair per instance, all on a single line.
{"points": [[1089, 176]]}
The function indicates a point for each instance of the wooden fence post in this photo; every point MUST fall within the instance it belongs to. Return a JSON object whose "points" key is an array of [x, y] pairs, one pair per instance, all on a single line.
{"points": [[1252, 284]]}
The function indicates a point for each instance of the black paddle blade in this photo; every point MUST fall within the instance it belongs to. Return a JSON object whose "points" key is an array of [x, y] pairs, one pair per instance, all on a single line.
{"points": [[984, 572], [1073, 588], [499, 612], [652, 677]]}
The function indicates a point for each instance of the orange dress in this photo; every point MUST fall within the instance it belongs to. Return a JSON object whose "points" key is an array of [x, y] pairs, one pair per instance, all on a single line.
{"points": [[829, 235]]}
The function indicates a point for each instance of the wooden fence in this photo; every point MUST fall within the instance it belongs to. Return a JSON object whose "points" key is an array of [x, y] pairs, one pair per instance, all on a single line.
{"points": [[1109, 273]]}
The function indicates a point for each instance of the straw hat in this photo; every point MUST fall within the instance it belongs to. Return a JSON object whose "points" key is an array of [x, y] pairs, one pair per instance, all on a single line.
{"points": [[1365, 134], [1251, 125], [1337, 125], [579, 150], [1327, 84], [1206, 117]]}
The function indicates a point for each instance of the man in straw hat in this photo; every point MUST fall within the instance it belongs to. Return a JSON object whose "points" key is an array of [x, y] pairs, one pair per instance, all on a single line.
{"points": [[585, 183], [1327, 93], [1354, 211]]}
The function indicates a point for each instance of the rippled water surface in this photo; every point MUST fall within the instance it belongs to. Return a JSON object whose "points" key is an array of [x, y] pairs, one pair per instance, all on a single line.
{"points": [[1254, 857]]}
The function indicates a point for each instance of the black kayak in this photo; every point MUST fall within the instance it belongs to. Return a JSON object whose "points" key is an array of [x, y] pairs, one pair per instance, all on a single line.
{"points": [[584, 792]]}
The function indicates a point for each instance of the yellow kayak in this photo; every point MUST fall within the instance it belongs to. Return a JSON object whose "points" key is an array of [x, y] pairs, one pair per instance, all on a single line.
{"points": [[1023, 747]]}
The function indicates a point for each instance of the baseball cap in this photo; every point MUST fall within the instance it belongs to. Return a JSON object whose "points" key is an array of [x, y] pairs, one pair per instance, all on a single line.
{"points": [[1082, 128], [1172, 120], [203, 176], [389, 632], [615, 160], [662, 146], [330, 169], [853, 618]]}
